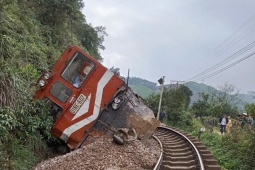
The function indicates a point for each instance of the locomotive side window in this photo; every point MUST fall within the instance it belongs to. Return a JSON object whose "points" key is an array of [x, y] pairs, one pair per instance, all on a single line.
{"points": [[77, 70], [60, 91]]}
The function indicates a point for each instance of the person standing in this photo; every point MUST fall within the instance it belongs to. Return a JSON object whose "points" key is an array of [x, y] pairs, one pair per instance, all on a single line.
{"points": [[245, 121], [253, 122], [223, 122], [162, 115], [229, 124], [250, 120]]}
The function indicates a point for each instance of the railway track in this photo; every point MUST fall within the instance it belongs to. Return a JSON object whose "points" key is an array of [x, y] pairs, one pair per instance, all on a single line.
{"points": [[182, 151]]}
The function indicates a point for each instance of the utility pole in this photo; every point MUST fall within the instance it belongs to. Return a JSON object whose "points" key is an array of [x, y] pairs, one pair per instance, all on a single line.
{"points": [[161, 82], [176, 83]]}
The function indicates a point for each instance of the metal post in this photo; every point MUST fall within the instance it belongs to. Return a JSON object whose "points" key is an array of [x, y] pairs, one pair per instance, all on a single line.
{"points": [[128, 77], [161, 92]]}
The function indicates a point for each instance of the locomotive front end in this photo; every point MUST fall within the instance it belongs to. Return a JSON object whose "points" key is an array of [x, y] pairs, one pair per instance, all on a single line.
{"points": [[88, 100]]}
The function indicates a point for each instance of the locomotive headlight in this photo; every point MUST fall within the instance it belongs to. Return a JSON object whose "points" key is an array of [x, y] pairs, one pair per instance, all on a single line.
{"points": [[41, 83], [115, 106], [117, 102], [47, 76]]}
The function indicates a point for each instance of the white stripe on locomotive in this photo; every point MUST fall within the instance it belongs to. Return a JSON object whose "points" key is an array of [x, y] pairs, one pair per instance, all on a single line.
{"points": [[100, 87], [84, 108]]}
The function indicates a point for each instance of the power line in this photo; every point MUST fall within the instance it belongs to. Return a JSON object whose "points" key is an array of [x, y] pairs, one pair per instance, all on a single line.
{"points": [[219, 47], [227, 67], [231, 57]]}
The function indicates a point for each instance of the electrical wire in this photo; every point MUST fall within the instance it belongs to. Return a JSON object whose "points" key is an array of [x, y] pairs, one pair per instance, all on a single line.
{"points": [[231, 57], [225, 68], [218, 49]]}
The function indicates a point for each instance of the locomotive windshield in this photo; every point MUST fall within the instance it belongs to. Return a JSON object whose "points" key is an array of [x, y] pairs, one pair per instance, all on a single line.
{"points": [[77, 70]]}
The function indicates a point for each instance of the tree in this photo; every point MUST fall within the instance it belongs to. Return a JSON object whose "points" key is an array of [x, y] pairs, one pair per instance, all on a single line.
{"points": [[33, 34], [153, 101], [218, 102], [174, 102], [92, 39], [201, 107], [225, 100], [250, 109], [188, 94]]}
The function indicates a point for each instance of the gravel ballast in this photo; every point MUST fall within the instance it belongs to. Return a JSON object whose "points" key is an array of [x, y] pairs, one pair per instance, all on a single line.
{"points": [[103, 154]]}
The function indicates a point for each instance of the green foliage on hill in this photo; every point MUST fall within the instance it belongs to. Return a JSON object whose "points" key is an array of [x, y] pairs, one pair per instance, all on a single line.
{"points": [[142, 87], [174, 102], [142, 91], [32, 36], [142, 82], [198, 87]]}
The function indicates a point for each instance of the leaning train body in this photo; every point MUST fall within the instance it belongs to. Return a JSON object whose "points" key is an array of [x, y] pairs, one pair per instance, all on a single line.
{"points": [[86, 100]]}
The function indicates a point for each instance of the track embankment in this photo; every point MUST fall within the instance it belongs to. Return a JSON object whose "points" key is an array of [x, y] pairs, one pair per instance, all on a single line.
{"points": [[183, 151]]}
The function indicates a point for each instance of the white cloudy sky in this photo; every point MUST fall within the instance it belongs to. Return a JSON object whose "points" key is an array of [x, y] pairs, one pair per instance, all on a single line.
{"points": [[178, 39]]}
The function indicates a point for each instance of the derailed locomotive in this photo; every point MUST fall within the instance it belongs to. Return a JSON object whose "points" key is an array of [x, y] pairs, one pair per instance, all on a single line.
{"points": [[87, 100]]}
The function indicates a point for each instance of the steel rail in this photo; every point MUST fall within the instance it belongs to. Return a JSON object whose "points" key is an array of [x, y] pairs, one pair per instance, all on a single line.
{"points": [[193, 146], [160, 159]]}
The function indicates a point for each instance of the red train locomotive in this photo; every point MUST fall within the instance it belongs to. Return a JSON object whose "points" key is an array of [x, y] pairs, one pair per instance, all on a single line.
{"points": [[87, 99]]}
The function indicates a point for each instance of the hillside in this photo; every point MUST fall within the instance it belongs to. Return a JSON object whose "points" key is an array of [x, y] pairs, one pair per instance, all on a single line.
{"points": [[33, 34], [139, 81], [142, 91], [142, 87], [145, 88], [199, 87]]}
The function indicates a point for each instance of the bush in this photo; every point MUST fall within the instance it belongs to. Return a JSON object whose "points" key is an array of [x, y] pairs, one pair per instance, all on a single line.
{"points": [[15, 156], [234, 151]]}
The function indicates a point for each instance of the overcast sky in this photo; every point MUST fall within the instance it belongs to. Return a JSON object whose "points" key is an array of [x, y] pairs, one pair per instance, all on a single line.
{"points": [[178, 39]]}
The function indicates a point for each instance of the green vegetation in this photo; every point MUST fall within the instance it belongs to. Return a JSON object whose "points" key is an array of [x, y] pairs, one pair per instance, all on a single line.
{"points": [[142, 91], [33, 34], [174, 103], [142, 82], [250, 108], [234, 151], [198, 89]]}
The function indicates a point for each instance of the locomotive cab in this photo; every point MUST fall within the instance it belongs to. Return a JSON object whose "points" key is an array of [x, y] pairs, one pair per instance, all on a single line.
{"points": [[77, 89]]}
